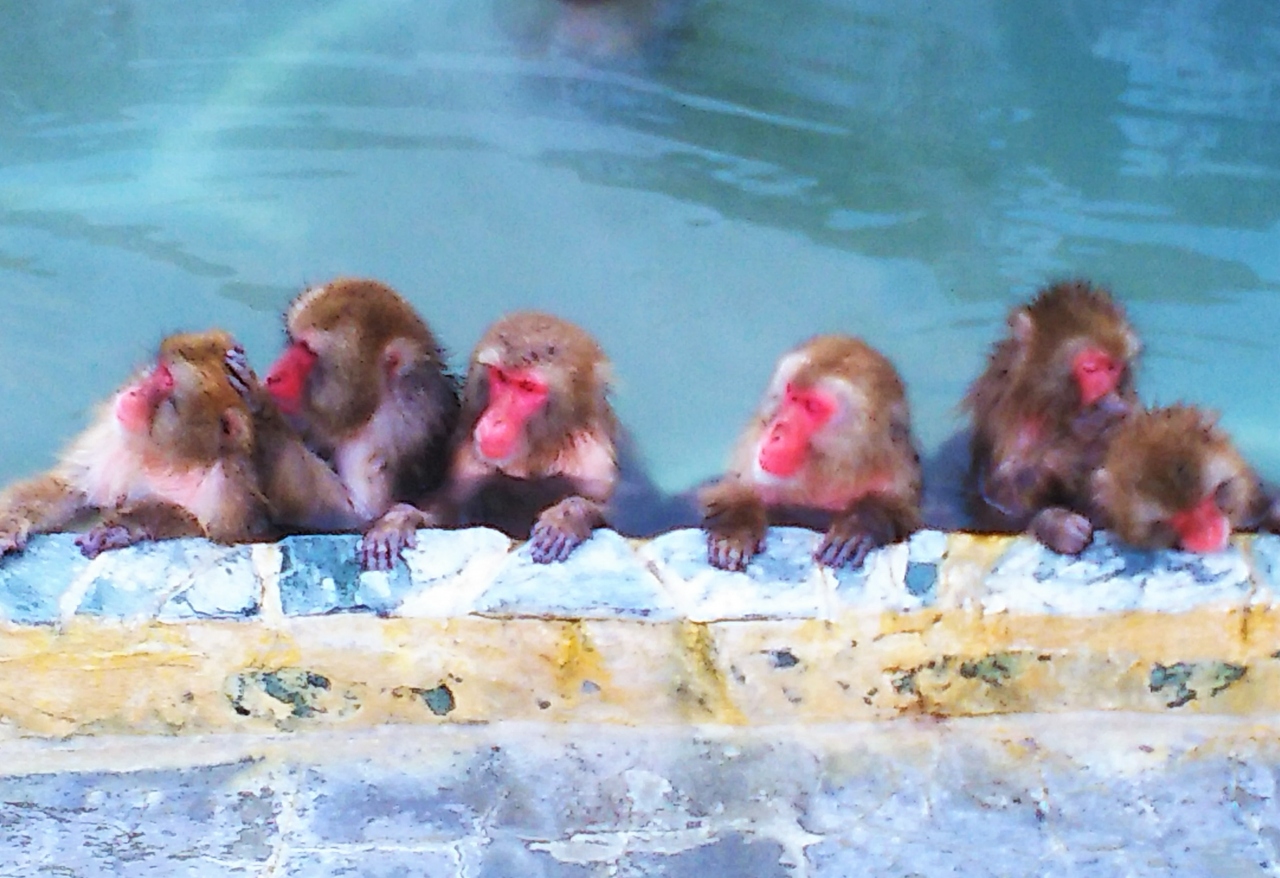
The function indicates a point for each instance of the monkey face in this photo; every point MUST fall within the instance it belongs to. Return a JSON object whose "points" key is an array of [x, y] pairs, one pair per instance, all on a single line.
{"points": [[183, 407], [515, 396], [1171, 479]]}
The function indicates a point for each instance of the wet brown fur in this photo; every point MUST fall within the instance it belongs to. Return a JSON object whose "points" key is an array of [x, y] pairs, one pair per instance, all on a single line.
{"points": [[564, 472], [866, 466], [355, 325], [1028, 389], [202, 430], [1166, 460]]}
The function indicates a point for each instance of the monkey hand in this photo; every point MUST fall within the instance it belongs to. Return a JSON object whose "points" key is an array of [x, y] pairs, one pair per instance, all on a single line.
{"points": [[735, 522], [872, 523], [397, 530], [560, 529], [109, 535], [13, 536], [243, 379], [1062, 530]]}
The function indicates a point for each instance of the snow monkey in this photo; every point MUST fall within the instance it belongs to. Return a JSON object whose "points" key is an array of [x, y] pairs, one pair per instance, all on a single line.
{"points": [[829, 446], [1054, 389]]}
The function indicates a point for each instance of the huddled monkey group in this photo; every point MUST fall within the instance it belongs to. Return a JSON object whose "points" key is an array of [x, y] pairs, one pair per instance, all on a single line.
{"points": [[360, 427]]}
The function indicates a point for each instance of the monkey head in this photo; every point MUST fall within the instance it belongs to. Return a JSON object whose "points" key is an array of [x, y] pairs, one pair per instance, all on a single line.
{"points": [[1075, 353], [1172, 479], [348, 341], [534, 379], [183, 406]]}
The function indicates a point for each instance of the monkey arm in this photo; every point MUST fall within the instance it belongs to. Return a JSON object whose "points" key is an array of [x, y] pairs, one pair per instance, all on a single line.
{"points": [[735, 519], [872, 521], [563, 527], [141, 522], [38, 505], [385, 540]]}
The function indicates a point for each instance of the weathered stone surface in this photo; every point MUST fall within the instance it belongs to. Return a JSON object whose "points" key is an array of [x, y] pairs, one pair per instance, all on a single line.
{"points": [[1089, 795], [898, 578], [603, 578], [1108, 577], [781, 582], [170, 579], [451, 569], [32, 583], [321, 574]]}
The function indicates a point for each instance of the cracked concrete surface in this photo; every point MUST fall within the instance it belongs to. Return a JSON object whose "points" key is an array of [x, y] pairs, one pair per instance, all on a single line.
{"points": [[1068, 795]]}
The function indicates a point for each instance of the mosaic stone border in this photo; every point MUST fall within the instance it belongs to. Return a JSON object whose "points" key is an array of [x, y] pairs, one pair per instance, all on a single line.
{"points": [[187, 636]]}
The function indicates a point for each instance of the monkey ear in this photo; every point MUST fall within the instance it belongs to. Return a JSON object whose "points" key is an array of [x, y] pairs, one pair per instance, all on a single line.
{"points": [[237, 428], [1022, 325], [399, 356]]}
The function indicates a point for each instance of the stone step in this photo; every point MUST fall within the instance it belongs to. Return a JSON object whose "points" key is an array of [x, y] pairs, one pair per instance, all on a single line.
{"points": [[190, 637]]}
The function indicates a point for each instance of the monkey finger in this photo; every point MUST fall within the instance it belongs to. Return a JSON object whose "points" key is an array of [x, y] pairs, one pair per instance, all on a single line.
{"points": [[103, 538]]}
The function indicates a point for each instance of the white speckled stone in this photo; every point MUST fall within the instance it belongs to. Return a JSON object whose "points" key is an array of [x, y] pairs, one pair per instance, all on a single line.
{"points": [[900, 577], [1111, 577], [451, 569], [170, 580], [782, 582], [602, 579], [1266, 560]]}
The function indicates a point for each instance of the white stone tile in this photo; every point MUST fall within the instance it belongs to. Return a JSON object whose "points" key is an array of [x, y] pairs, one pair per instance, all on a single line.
{"points": [[782, 582], [603, 578], [1111, 577]]}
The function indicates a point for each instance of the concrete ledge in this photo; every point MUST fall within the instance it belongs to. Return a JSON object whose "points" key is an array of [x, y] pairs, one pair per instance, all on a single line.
{"points": [[189, 637]]}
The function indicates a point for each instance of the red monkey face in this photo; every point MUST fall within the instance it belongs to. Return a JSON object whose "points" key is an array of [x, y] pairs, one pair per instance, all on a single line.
{"points": [[1097, 374], [287, 379], [515, 395], [136, 404], [1202, 527], [784, 447]]}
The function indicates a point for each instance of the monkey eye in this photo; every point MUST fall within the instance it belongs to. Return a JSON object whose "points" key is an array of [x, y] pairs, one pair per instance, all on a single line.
{"points": [[1222, 495], [1096, 362], [816, 405], [530, 385]]}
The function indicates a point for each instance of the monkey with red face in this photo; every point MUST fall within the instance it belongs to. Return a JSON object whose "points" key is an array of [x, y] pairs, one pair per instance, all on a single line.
{"points": [[535, 452], [536, 449], [364, 382], [831, 445], [1054, 390], [1171, 478], [171, 455]]}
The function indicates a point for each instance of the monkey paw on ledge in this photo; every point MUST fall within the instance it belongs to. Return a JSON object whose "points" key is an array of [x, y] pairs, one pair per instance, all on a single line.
{"points": [[178, 636]]}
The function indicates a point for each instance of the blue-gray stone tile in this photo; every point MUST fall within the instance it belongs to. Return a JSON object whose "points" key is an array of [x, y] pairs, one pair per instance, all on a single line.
{"points": [[783, 581], [31, 583], [451, 569], [172, 579], [603, 578], [370, 863], [321, 574], [1109, 576]]}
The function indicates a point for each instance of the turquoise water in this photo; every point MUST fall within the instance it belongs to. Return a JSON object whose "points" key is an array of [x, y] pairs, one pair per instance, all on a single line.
{"points": [[701, 184]]}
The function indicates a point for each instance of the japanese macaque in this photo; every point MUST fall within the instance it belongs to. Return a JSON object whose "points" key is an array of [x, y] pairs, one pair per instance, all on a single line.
{"points": [[363, 380], [1171, 478], [169, 455], [535, 449], [1053, 391], [831, 444]]}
